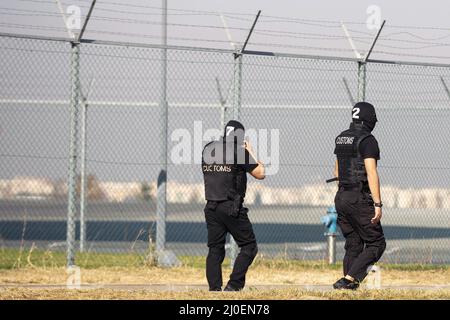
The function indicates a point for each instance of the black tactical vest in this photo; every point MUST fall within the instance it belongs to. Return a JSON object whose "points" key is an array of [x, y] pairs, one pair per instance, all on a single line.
{"points": [[223, 177], [352, 171]]}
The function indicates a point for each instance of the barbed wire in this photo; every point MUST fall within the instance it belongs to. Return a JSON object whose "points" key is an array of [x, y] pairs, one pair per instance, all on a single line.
{"points": [[32, 27], [362, 37], [31, 13], [211, 40], [131, 5], [124, 11], [431, 45], [410, 55], [261, 31], [303, 35], [320, 22], [114, 33], [135, 21], [26, 12], [262, 65]]}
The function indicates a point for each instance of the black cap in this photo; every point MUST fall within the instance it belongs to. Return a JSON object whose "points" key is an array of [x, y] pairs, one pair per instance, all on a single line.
{"points": [[365, 112], [233, 125], [234, 129]]}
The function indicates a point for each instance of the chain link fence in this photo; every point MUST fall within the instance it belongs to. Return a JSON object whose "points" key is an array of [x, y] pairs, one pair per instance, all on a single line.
{"points": [[85, 119]]}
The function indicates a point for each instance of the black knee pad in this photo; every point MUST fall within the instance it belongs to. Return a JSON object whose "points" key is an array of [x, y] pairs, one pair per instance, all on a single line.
{"points": [[217, 253], [250, 249]]}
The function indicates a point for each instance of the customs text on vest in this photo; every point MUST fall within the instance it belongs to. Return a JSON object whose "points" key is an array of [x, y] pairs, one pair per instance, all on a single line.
{"points": [[223, 178], [352, 171]]}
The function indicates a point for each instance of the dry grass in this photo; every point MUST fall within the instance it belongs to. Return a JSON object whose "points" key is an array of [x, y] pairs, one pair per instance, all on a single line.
{"points": [[279, 294], [263, 272], [259, 274]]}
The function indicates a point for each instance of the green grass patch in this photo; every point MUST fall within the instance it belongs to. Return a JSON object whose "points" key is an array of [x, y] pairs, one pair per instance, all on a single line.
{"points": [[415, 267], [16, 258]]}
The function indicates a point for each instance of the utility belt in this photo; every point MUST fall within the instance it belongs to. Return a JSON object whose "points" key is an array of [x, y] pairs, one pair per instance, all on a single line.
{"points": [[234, 209], [360, 187], [362, 191]]}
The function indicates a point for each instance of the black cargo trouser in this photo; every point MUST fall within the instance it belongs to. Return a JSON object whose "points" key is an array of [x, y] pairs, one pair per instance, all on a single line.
{"points": [[364, 241], [219, 222]]}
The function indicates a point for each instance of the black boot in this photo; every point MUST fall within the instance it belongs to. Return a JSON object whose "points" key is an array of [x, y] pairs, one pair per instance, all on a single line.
{"points": [[231, 288], [346, 284]]}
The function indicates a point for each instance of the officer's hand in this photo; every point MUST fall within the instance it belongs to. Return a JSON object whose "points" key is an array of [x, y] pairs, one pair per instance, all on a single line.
{"points": [[248, 146], [378, 215]]}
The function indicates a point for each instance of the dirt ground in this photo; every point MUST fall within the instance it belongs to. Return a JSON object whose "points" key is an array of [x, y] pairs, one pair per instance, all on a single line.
{"points": [[278, 294], [259, 275], [48, 283]]}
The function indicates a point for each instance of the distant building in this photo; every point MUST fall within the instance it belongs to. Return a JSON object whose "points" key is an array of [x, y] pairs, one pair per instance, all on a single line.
{"points": [[121, 191], [258, 194], [26, 187]]}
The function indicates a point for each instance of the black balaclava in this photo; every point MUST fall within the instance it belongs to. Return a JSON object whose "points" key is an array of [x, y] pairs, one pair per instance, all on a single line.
{"points": [[364, 113], [234, 130]]}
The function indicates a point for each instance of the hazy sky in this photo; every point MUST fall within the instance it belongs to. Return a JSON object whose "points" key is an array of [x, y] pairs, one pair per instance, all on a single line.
{"points": [[313, 27], [412, 101]]}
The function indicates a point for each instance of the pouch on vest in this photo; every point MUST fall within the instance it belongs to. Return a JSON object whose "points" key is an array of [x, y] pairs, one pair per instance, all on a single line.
{"points": [[237, 201]]}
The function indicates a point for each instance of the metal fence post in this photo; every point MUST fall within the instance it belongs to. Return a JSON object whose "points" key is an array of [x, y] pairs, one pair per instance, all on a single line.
{"points": [[83, 182], [362, 67], [74, 114], [162, 177], [72, 180], [237, 86], [361, 81], [362, 63], [237, 90], [223, 105]]}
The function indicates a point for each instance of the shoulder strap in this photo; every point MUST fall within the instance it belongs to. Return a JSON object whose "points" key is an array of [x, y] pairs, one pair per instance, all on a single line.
{"points": [[342, 133]]}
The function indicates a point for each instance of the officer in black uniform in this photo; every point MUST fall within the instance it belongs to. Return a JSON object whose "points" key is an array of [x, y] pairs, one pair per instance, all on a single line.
{"points": [[358, 200], [225, 164]]}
